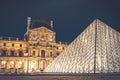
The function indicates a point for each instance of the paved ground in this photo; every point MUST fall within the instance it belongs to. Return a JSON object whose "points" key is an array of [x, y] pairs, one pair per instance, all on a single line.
{"points": [[49, 76]]}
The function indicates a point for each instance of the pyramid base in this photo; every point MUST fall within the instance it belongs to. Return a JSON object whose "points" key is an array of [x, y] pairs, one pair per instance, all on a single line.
{"points": [[61, 76]]}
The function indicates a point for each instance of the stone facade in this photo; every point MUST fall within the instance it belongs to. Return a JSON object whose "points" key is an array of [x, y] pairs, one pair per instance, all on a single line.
{"points": [[29, 55]]}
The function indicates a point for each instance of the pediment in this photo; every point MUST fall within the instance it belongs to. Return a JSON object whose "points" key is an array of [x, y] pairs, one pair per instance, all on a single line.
{"points": [[42, 29]]}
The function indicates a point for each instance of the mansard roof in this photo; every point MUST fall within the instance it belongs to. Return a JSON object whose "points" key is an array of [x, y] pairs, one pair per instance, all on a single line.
{"points": [[39, 23]]}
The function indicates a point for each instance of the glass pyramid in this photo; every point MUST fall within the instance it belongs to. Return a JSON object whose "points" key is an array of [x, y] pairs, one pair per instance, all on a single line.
{"points": [[95, 50]]}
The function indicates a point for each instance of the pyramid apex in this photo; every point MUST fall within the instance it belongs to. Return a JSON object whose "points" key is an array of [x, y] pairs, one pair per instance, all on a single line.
{"points": [[97, 20]]}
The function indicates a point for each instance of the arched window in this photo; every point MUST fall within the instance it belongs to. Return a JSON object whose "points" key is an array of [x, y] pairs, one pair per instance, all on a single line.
{"points": [[33, 53], [43, 53], [3, 64]]}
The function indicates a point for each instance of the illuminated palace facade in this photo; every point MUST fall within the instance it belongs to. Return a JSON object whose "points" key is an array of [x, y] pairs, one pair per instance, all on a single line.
{"points": [[32, 54]]}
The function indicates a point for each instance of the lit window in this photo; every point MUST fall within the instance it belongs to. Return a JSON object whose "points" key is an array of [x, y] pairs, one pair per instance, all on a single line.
{"points": [[25, 54], [11, 64], [3, 64]]}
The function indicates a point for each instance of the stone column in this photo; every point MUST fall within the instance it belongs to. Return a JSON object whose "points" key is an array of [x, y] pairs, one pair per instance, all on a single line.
{"points": [[7, 65], [15, 64], [23, 64], [27, 65]]}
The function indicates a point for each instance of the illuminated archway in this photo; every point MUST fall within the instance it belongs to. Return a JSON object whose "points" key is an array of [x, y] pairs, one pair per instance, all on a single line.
{"points": [[2, 66], [43, 65], [11, 64], [33, 66], [3, 63], [20, 64]]}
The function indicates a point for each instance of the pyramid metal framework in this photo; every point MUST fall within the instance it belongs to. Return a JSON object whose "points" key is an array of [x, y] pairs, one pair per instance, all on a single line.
{"points": [[95, 50]]}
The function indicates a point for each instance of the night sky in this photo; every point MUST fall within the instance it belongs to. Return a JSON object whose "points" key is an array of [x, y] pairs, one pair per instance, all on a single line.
{"points": [[70, 17]]}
